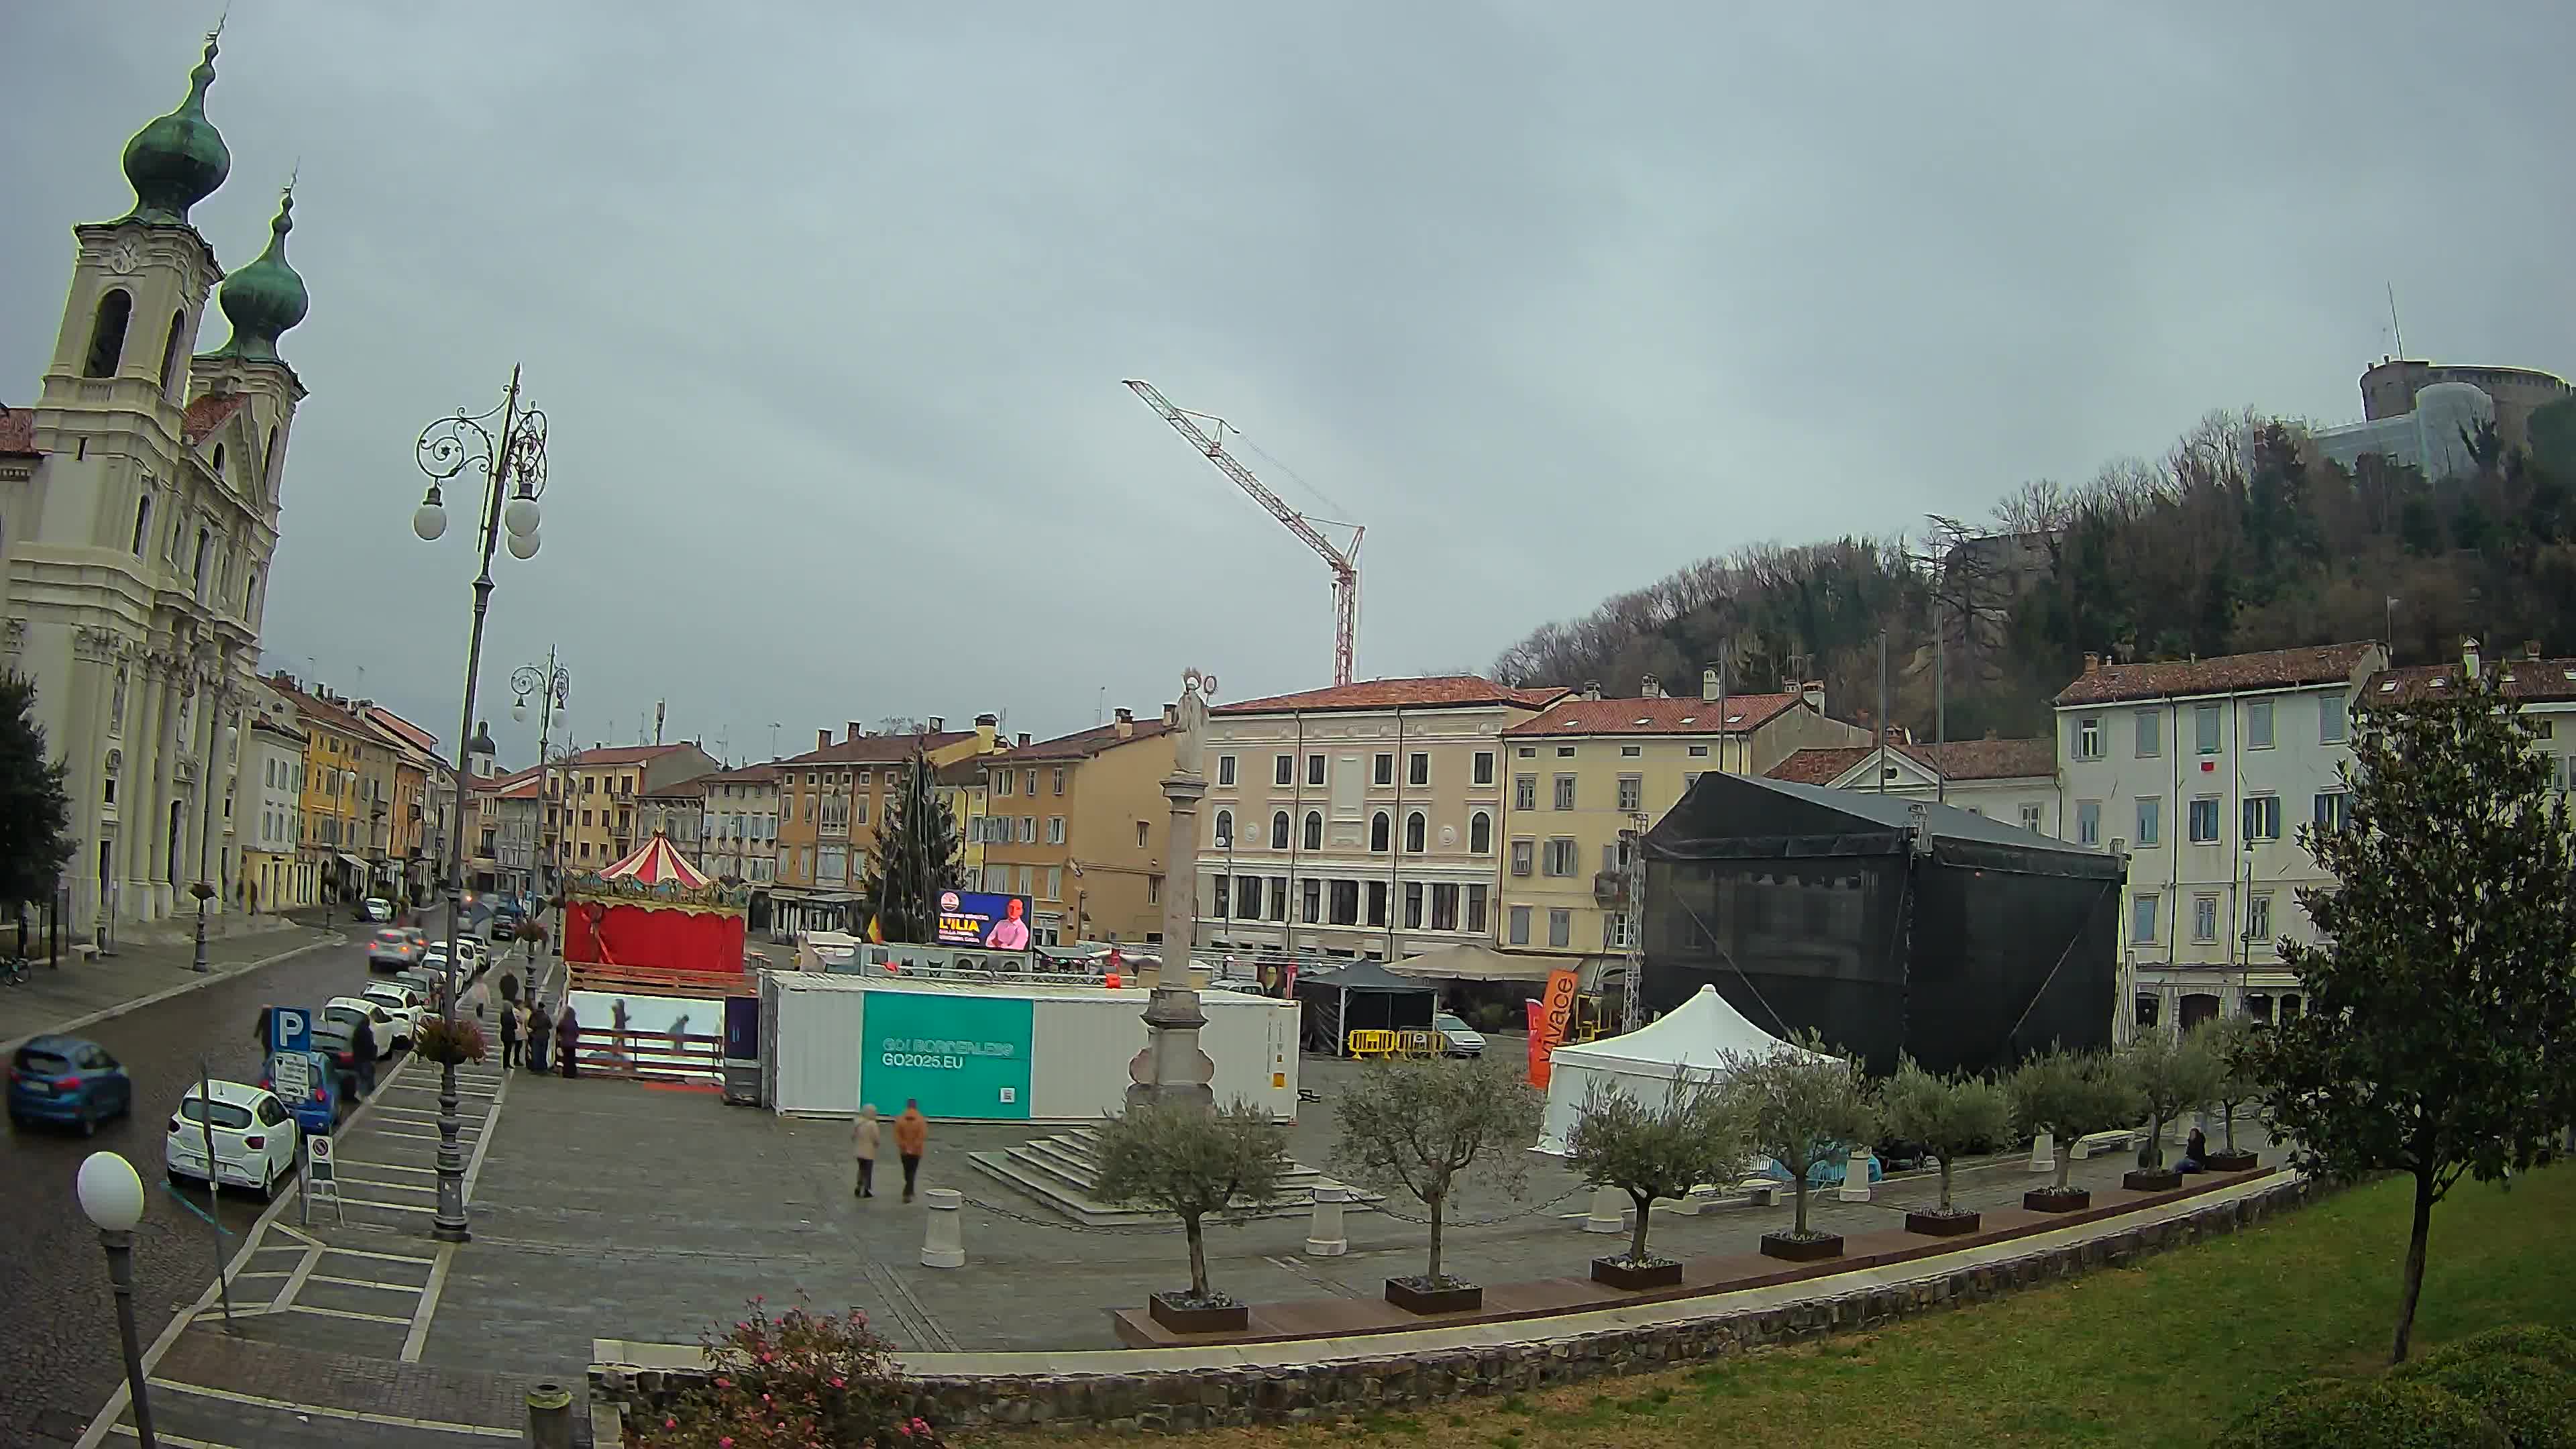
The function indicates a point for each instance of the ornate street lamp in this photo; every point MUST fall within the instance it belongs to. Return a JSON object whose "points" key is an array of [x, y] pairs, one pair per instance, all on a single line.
{"points": [[513, 465], [553, 686]]}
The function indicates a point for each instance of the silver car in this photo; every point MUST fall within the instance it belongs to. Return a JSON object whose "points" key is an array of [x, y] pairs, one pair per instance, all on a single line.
{"points": [[1464, 1040], [392, 949]]}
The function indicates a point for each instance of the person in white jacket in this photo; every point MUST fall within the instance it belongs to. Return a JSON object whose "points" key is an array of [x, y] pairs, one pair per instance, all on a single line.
{"points": [[863, 1145]]}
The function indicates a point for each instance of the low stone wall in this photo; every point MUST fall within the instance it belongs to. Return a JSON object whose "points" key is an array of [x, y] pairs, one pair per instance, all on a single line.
{"points": [[1290, 1392]]}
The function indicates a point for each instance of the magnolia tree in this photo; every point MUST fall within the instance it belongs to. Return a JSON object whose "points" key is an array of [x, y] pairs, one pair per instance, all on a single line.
{"points": [[2073, 1094], [2171, 1075], [2440, 999], [1804, 1106], [1949, 1116], [1415, 1125], [1187, 1161], [2234, 1047], [1699, 1134]]}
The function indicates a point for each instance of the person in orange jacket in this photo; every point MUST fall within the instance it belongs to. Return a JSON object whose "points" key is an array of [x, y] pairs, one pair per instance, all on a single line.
{"points": [[911, 1137]]}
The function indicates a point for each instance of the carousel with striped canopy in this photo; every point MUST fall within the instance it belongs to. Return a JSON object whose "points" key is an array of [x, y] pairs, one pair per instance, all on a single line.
{"points": [[653, 910]]}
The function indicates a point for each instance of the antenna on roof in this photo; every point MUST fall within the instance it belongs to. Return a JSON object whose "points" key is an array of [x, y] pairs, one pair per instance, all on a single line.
{"points": [[2393, 327]]}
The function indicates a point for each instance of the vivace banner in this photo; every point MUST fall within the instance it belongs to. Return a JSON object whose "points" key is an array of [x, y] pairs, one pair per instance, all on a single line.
{"points": [[1550, 1018]]}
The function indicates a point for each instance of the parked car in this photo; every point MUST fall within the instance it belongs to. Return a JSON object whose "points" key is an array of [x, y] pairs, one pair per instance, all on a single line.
{"points": [[473, 954], [377, 908], [336, 1045], [67, 1079], [254, 1140], [400, 1004], [321, 1109], [392, 949], [505, 921], [391, 1031], [421, 981], [1464, 1040]]}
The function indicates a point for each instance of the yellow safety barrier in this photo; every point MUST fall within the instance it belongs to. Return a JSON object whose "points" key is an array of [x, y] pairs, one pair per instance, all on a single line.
{"points": [[1372, 1042]]}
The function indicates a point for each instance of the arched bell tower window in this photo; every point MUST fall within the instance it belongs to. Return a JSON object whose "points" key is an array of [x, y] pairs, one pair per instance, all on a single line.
{"points": [[142, 523], [170, 352], [107, 333], [219, 462]]}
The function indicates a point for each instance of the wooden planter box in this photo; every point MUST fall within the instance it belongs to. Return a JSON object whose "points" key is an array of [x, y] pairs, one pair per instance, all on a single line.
{"points": [[1464, 1298], [1802, 1250], [2050, 1200], [1941, 1225], [1653, 1275], [1185, 1318], [2231, 1162], [2151, 1179]]}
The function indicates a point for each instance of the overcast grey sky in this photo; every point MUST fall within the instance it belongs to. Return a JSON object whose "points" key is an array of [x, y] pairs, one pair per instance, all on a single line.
{"points": [[830, 307]]}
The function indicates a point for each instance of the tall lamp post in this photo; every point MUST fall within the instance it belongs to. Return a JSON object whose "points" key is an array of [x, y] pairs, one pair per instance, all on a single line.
{"points": [[553, 685], [220, 740], [513, 465], [111, 1196]]}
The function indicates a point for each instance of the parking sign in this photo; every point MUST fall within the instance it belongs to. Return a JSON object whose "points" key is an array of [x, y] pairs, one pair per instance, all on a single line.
{"points": [[290, 1029]]}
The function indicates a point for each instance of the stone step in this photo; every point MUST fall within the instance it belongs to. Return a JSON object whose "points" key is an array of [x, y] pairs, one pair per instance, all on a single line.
{"points": [[1051, 1185]]}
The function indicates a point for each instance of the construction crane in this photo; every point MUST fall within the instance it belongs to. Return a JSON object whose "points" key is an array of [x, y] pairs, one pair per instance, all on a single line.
{"points": [[1345, 562]]}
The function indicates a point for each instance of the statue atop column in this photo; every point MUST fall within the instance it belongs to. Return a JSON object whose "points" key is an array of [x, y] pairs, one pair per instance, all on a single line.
{"points": [[1172, 1067]]}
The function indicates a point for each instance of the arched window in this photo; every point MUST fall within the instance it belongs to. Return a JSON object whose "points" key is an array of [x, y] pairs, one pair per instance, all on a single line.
{"points": [[1279, 830], [1414, 828], [1380, 828], [205, 552], [219, 462], [250, 608], [142, 523], [1480, 834], [1314, 830], [107, 334], [170, 352], [1225, 827], [268, 463]]}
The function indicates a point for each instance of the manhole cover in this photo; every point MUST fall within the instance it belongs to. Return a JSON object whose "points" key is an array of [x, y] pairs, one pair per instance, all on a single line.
{"points": [[60, 1424]]}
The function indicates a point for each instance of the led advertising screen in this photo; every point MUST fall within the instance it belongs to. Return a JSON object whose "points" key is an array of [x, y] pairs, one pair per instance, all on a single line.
{"points": [[973, 918]]}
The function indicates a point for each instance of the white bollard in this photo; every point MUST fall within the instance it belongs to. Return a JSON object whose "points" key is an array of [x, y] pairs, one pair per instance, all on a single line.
{"points": [[943, 1244], [1324, 1236], [1855, 1186], [2043, 1152], [1609, 1211]]}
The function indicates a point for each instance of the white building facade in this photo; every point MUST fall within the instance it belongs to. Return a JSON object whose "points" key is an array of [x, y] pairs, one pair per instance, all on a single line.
{"points": [[138, 511], [268, 817], [2014, 781], [2202, 773]]}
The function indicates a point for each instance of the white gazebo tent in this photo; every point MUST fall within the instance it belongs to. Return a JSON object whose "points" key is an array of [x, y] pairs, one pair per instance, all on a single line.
{"points": [[1684, 1044]]}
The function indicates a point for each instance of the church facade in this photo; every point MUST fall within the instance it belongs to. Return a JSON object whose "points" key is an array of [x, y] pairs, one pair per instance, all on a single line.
{"points": [[139, 497]]}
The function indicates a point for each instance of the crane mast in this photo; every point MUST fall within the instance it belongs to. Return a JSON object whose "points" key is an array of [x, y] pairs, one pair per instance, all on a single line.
{"points": [[1344, 562]]}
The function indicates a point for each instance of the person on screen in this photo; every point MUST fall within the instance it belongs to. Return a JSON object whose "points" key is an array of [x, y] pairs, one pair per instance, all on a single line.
{"points": [[1010, 933]]}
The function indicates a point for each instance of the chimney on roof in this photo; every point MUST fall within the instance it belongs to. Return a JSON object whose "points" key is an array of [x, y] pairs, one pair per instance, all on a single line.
{"points": [[855, 731], [988, 729], [1650, 688], [939, 724], [1592, 689], [1024, 739], [1708, 688], [1171, 716], [2469, 657], [822, 739], [2092, 662], [1126, 724], [1813, 692]]}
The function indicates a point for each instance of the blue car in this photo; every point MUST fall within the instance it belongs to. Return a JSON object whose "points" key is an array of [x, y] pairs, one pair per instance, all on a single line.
{"points": [[69, 1080]]}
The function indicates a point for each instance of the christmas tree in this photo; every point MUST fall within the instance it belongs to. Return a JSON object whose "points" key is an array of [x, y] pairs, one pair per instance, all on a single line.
{"points": [[34, 812], [914, 860]]}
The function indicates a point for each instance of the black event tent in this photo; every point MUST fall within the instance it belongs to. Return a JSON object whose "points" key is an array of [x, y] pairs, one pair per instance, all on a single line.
{"points": [[1889, 925], [1362, 996]]}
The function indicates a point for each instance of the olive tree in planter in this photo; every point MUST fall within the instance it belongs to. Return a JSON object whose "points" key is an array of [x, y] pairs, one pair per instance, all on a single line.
{"points": [[1190, 1162], [1804, 1105], [1950, 1117], [2233, 1044], [1648, 1152], [2073, 1094], [2172, 1075], [1415, 1126]]}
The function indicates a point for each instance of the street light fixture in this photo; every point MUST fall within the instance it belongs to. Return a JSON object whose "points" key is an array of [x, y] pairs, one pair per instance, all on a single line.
{"points": [[552, 684], [111, 1196], [515, 458]]}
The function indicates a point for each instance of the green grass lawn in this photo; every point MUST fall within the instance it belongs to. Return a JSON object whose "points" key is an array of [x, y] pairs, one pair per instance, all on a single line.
{"points": [[2164, 1353]]}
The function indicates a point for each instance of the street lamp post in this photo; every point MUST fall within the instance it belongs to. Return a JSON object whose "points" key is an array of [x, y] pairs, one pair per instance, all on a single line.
{"points": [[553, 684], [447, 448], [220, 742], [111, 1196]]}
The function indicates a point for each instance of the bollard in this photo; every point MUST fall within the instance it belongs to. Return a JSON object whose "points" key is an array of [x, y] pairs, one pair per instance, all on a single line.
{"points": [[1855, 1186], [1609, 1211], [549, 1416], [2043, 1152], [943, 1243], [1324, 1236]]}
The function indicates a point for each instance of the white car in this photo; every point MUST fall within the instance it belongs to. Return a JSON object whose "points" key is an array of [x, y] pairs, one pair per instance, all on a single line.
{"points": [[400, 1003], [473, 953], [254, 1138], [390, 1030], [1464, 1040]]}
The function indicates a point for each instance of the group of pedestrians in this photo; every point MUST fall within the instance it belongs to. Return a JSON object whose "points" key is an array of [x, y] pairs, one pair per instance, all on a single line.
{"points": [[542, 1041], [911, 1139]]}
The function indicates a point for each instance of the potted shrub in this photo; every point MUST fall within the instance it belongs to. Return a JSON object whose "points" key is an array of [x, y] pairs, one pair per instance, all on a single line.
{"points": [[1649, 1152], [1413, 1126], [797, 1377], [2172, 1075], [1190, 1162], [529, 933], [2233, 1043], [450, 1041], [2073, 1094], [1804, 1106], [1950, 1117]]}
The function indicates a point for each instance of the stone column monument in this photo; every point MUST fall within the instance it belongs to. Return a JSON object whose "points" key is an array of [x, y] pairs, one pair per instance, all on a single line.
{"points": [[1172, 1068]]}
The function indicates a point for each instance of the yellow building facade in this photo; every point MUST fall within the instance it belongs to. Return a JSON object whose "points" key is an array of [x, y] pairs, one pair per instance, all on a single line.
{"points": [[1078, 826], [832, 800]]}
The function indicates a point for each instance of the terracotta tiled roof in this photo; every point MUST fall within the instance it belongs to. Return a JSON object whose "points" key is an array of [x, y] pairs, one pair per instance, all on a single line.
{"points": [[1452, 691], [695, 788], [2531, 679], [1664, 716], [765, 773], [2272, 669], [275, 728], [1957, 760], [965, 773], [318, 709], [402, 729], [18, 433], [516, 785], [1083, 744], [878, 749], [623, 754], [208, 413]]}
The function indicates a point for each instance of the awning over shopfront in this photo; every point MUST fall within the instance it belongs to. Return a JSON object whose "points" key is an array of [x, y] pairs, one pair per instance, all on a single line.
{"points": [[353, 863], [1469, 961]]}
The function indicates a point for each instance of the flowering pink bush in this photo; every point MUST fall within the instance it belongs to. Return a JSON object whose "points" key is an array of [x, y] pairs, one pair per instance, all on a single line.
{"points": [[793, 1380]]}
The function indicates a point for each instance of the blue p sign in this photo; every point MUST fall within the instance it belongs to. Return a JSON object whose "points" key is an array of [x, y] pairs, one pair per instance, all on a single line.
{"points": [[290, 1029]]}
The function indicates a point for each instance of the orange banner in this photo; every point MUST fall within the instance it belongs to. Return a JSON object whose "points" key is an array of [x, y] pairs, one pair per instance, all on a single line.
{"points": [[1549, 1020]]}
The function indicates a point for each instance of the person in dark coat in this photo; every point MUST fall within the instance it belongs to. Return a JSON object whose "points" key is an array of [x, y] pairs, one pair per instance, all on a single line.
{"points": [[567, 1037], [509, 1035], [2195, 1156], [541, 1035], [362, 1049]]}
